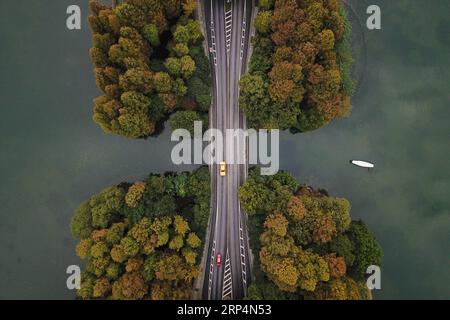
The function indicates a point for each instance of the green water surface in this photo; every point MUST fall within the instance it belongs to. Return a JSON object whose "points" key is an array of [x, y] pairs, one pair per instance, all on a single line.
{"points": [[53, 156]]}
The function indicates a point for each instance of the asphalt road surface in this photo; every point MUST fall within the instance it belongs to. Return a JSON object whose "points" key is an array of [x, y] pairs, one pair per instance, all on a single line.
{"points": [[228, 28]]}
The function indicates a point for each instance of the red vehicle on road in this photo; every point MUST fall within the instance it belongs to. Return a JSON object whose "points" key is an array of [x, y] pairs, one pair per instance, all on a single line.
{"points": [[219, 259]]}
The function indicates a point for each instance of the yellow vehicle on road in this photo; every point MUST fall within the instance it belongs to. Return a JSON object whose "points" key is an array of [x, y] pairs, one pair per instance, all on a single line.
{"points": [[223, 168]]}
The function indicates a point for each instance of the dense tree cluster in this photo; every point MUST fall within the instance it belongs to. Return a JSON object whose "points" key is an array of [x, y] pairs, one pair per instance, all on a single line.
{"points": [[299, 74], [143, 240], [306, 245], [149, 62]]}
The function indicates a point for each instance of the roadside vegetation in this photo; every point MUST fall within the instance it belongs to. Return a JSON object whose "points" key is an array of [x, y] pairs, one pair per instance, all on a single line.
{"points": [[304, 242], [149, 63], [143, 240], [299, 74]]}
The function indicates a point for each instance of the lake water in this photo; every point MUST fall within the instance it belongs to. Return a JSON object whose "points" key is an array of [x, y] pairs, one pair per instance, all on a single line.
{"points": [[53, 156]]}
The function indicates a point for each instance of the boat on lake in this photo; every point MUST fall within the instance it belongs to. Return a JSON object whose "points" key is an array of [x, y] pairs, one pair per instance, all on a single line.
{"points": [[362, 164]]}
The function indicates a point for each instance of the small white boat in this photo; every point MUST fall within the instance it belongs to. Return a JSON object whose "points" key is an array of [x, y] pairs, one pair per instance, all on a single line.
{"points": [[362, 164]]}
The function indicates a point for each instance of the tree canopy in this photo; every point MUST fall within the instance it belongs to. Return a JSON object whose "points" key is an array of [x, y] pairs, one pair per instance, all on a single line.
{"points": [[305, 244], [299, 75], [134, 252], [148, 62]]}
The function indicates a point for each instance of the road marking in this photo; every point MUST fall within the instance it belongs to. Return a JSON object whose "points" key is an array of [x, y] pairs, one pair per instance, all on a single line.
{"points": [[228, 28], [243, 32], [213, 37], [242, 251], [213, 44], [242, 41], [211, 269], [227, 291]]}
